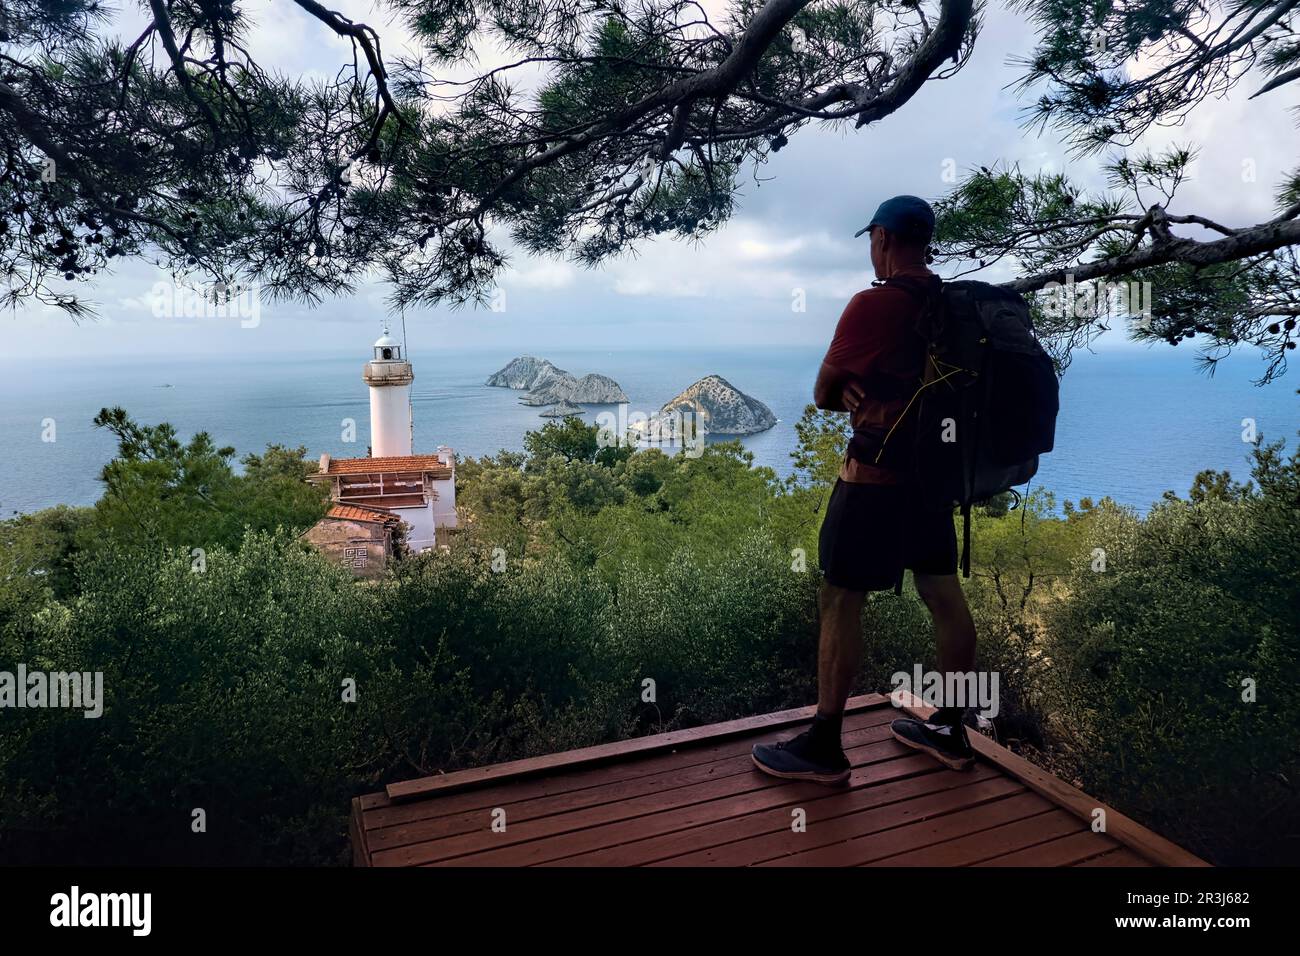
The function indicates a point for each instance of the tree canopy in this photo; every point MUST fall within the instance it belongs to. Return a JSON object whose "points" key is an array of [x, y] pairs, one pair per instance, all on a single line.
{"points": [[606, 123], [159, 492]]}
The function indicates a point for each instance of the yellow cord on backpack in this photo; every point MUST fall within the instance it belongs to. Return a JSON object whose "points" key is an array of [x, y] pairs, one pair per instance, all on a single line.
{"points": [[908, 406]]}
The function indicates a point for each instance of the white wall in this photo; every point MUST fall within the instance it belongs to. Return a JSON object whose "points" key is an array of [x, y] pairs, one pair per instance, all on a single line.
{"points": [[444, 506], [420, 532]]}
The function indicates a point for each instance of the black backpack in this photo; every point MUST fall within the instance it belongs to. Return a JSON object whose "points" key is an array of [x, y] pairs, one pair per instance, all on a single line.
{"points": [[987, 403]]}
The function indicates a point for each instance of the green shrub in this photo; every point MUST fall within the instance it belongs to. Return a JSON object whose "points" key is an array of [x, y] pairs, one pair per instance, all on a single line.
{"points": [[1151, 660], [224, 673], [222, 692]]}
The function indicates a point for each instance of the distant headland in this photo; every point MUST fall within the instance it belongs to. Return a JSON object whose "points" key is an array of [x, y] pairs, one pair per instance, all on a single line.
{"points": [[548, 385]]}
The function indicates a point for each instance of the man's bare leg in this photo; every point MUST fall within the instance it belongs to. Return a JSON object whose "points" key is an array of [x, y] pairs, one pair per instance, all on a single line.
{"points": [[942, 735], [954, 629], [816, 754], [839, 653]]}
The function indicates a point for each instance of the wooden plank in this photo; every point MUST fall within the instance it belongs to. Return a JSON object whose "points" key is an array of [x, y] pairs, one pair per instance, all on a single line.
{"points": [[529, 830], [1065, 851], [770, 791], [1120, 857], [768, 811], [1124, 829], [518, 811], [357, 835], [989, 842], [829, 833], [517, 791], [917, 836], [645, 801], [622, 749]]}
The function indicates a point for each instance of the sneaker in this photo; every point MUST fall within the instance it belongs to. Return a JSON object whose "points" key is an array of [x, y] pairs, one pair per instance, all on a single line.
{"points": [[947, 743], [799, 759]]}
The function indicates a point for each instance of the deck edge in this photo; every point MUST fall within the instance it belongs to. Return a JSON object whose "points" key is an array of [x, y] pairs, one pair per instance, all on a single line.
{"points": [[357, 834], [1127, 831], [589, 756]]}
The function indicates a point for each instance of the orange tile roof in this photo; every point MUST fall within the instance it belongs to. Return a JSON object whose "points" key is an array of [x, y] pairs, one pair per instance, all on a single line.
{"points": [[357, 513], [374, 466]]}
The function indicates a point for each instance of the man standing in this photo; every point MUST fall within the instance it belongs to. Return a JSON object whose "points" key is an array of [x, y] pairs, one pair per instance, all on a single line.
{"points": [[876, 525]]}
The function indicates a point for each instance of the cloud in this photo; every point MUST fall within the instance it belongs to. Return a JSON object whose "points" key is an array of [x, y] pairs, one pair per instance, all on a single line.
{"points": [[540, 274]]}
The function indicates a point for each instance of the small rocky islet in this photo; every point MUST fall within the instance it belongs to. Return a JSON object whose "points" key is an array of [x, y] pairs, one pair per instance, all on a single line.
{"points": [[548, 385], [562, 410]]}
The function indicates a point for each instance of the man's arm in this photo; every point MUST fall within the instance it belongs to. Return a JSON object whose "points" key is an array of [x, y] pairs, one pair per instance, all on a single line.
{"points": [[835, 391], [838, 390]]}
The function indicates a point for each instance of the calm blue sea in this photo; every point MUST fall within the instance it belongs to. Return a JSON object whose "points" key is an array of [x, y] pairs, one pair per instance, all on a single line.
{"points": [[1133, 423]]}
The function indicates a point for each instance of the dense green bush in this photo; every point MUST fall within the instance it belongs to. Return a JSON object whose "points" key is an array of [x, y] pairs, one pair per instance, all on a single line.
{"points": [[1152, 662], [222, 692], [577, 581], [224, 687]]}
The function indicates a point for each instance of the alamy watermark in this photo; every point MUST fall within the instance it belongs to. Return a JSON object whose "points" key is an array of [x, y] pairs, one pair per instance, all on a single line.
{"points": [[1091, 300], [676, 428], [977, 689], [216, 301], [74, 690], [126, 910]]}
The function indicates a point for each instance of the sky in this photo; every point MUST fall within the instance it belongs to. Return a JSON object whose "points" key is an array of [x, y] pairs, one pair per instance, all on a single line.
{"points": [[792, 234]]}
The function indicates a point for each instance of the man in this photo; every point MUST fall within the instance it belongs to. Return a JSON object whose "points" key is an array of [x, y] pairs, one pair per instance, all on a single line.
{"points": [[875, 524]]}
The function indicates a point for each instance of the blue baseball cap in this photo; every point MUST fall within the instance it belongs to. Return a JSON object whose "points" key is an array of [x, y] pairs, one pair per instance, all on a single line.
{"points": [[908, 217]]}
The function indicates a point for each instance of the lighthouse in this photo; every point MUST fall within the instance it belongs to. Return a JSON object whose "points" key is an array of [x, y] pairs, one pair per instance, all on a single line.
{"points": [[393, 502], [389, 376]]}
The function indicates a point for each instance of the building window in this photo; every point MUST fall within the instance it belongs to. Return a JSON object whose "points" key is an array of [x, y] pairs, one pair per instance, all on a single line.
{"points": [[354, 557], [388, 353]]}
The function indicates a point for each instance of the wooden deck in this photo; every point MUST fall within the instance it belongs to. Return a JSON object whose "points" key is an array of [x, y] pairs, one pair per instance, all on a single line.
{"points": [[693, 798]]}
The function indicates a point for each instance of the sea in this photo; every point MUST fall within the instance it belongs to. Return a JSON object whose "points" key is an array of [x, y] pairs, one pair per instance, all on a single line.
{"points": [[1133, 423]]}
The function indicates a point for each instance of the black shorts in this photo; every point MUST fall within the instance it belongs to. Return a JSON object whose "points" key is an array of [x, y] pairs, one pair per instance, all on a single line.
{"points": [[872, 532]]}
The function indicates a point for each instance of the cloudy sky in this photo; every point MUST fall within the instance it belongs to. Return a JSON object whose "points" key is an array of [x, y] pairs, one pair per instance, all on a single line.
{"points": [[794, 230]]}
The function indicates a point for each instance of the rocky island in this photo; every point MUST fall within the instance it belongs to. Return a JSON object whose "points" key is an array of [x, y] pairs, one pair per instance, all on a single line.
{"points": [[549, 385], [522, 372], [722, 408], [562, 410]]}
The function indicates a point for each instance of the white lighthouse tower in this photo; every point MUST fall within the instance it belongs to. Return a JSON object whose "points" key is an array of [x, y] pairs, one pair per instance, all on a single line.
{"points": [[389, 376]]}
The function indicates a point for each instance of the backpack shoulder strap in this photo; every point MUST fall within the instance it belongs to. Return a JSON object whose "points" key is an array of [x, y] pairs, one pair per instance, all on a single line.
{"points": [[928, 293]]}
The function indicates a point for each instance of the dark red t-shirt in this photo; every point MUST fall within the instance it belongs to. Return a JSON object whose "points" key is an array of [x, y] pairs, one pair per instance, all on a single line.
{"points": [[876, 343]]}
